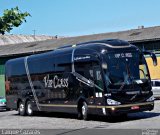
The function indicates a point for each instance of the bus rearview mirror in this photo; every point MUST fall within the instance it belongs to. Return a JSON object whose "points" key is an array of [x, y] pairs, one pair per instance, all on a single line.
{"points": [[153, 56]]}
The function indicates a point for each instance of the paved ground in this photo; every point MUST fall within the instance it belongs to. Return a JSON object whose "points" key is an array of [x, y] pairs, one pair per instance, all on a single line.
{"points": [[10, 120], [144, 120]]}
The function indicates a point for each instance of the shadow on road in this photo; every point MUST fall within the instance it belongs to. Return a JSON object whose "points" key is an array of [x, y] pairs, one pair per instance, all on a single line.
{"points": [[115, 119], [129, 117], [4, 110]]}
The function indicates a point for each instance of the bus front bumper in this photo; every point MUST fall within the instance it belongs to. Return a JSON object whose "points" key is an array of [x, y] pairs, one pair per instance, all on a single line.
{"points": [[130, 108], [124, 109]]}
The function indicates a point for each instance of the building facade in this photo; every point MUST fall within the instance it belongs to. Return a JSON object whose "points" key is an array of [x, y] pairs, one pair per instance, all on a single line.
{"points": [[144, 38]]}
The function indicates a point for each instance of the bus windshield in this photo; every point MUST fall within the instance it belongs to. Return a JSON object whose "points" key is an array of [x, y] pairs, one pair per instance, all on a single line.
{"points": [[125, 68]]}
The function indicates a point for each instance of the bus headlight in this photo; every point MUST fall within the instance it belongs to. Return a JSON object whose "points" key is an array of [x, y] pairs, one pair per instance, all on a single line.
{"points": [[150, 99], [112, 102]]}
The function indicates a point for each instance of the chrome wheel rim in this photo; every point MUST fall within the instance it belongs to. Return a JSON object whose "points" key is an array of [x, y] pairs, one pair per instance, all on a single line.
{"points": [[83, 110], [21, 107], [29, 108]]}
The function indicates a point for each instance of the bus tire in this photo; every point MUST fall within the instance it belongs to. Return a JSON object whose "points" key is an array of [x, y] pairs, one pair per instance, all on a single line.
{"points": [[84, 111], [8, 109], [29, 108], [21, 109]]}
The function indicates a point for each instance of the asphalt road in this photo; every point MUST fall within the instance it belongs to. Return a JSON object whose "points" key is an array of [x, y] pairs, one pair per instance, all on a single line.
{"points": [[143, 120]]}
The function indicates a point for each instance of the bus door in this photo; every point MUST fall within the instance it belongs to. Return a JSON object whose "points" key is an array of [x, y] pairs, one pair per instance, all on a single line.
{"points": [[84, 75], [83, 68], [98, 85]]}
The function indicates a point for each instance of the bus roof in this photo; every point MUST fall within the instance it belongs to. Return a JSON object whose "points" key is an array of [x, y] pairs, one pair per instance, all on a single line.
{"points": [[98, 45], [112, 42]]}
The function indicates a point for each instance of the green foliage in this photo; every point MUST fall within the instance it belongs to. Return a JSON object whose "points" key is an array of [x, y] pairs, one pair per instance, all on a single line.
{"points": [[12, 18]]}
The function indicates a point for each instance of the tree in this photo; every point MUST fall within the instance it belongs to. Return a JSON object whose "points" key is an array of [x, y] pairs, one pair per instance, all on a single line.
{"points": [[12, 18]]}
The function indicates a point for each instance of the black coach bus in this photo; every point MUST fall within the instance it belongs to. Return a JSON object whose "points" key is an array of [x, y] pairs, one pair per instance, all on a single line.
{"points": [[106, 77]]}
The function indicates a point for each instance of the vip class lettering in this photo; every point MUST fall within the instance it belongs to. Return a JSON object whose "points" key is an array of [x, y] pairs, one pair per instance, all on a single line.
{"points": [[56, 82]]}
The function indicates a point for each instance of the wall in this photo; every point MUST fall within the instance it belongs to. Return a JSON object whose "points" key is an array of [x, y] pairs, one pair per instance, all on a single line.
{"points": [[148, 45], [2, 72], [2, 77], [154, 70]]}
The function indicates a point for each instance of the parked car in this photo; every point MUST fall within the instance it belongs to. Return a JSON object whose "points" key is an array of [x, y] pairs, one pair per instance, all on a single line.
{"points": [[2, 103], [156, 88]]}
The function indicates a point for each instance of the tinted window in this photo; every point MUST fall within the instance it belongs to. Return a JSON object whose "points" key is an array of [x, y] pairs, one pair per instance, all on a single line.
{"points": [[15, 68], [42, 65], [63, 63], [85, 69], [124, 67], [98, 76]]}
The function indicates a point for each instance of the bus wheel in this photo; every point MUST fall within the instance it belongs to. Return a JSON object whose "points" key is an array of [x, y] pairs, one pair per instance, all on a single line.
{"points": [[29, 109], [84, 111], [21, 109], [8, 109]]}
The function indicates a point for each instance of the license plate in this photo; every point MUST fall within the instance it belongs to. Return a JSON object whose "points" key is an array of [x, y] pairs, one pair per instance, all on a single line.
{"points": [[135, 107]]}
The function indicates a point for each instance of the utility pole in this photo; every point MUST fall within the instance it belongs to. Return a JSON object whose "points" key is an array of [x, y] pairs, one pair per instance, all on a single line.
{"points": [[34, 34]]}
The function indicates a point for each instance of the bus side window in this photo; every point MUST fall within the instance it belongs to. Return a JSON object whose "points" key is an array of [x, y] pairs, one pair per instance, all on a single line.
{"points": [[143, 72], [98, 77], [84, 69], [63, 63], [142, 68]]}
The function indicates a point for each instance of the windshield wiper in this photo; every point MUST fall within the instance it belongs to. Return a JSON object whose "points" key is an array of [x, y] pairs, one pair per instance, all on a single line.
{"points": [[128, 79], [107, 79]]}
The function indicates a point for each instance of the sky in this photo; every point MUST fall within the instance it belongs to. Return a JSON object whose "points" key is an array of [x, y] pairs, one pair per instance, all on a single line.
{"points": [[83, 17]]}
